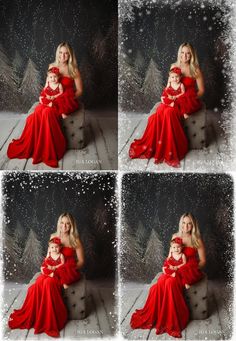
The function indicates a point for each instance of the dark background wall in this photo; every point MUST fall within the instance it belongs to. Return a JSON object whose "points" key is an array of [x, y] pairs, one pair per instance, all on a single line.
{"points": [[151, 35], [152, 206], [32, 204], [30, 32]]}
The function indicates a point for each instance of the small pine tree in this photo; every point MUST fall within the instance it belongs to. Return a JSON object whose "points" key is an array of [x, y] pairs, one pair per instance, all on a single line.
{"points": [[152, 85]]}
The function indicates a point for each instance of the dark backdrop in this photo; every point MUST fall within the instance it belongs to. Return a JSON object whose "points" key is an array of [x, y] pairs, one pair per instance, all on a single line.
{"points": [[32, 205], [151, 35], [152, 207], [32, 29]]}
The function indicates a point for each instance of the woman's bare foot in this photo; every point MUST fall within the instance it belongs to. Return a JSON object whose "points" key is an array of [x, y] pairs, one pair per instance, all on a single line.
{"points": [[65, 286], [187, 286], [63, 116], [186, 116]]}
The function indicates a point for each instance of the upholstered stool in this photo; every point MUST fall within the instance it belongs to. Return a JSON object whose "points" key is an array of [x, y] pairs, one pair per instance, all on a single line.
{"points": [[74, 298], [196, 298], [73, 127], [195, 127]]}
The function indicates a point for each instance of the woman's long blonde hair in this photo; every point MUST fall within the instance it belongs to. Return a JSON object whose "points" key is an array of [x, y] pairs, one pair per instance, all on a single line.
{"points": [[195, 232], [72, 62], [193, 64], [73, 233]]}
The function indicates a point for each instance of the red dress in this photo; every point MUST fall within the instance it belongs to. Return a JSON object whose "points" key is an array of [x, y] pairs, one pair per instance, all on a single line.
{"points": [[52, 262], [164, 137], [42, 137], [48, 91], [67, 272], [165, 307], [44, 308], [172, 92]]}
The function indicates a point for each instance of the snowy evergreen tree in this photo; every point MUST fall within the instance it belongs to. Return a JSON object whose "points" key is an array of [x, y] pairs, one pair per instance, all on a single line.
{"points": [[87, 74], [99, 46], [8, 253], [32, 255], [131, 98], [30, 86], [152, 85], [132, 267], [9, 96], [141, 236], [154, 255], [100, 219], [139, 63]]}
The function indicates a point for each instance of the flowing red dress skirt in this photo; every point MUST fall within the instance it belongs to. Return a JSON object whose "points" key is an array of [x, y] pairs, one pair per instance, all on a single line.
{"points": [[165, 308], [44, 308], [164, 138], [42, 137]]}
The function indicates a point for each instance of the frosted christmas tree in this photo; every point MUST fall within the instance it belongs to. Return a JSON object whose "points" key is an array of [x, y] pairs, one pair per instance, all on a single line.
{"points": [[152, 85], [30, 86]]}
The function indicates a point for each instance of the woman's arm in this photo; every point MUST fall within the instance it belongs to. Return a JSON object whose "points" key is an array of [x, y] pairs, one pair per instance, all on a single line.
{"points": [[80, 254], [201, 254], [200, 83], [78, 85]]}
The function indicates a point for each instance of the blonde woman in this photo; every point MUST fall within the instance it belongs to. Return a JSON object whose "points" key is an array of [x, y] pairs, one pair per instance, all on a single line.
{"points": [[165, 308], [42, 138], [44, 308], [72, 249], [192, 79], [194, 248], [164, 138]]}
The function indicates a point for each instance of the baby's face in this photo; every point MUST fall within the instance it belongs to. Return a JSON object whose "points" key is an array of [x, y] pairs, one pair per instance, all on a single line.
{"points": [[177, 248], [52, 77], [54, 248], [174, 77]]}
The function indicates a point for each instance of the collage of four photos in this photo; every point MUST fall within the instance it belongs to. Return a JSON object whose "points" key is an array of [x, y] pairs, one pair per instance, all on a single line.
{"points": [[117, 159]]}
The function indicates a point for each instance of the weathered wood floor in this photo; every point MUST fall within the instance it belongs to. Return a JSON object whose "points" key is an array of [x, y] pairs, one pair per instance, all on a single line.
{"points": [[214, 158], [218, 326], [100, 322], [100, 152]]}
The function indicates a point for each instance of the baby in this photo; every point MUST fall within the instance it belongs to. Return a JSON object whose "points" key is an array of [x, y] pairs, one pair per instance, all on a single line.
{"points": [[52, 89], [54, 258], [175, 260], [174, 88]]}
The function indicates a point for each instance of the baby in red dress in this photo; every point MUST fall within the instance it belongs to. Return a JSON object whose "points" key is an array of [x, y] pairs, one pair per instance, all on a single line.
{"points": [[52, 89], [175, 260], [174, 88], [54, 258]]}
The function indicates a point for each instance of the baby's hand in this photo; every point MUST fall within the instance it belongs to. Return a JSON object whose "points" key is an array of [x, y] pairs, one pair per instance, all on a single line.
{"points": [[50, 104], [174, 274]]}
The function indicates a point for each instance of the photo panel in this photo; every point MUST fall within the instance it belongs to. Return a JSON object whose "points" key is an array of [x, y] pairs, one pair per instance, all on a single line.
{"points": [[35, 207], [151, 35], [81, 133], [155, 303]]}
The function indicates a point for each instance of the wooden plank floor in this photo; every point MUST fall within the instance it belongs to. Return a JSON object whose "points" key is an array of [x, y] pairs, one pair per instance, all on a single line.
{"points": [[100, 152], [101, 321], [214, 158], [218, 326]]}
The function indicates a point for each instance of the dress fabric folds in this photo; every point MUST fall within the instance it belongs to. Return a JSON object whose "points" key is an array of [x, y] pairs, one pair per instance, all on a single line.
{"points": [[165, 308], [164, 138], [42, 137], [44, 308]]}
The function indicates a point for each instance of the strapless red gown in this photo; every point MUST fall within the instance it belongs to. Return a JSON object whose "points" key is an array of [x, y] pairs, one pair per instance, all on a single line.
{"points": [[43, 308], [164, 138], [165, 308], [42, 137], [68, 273]]}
